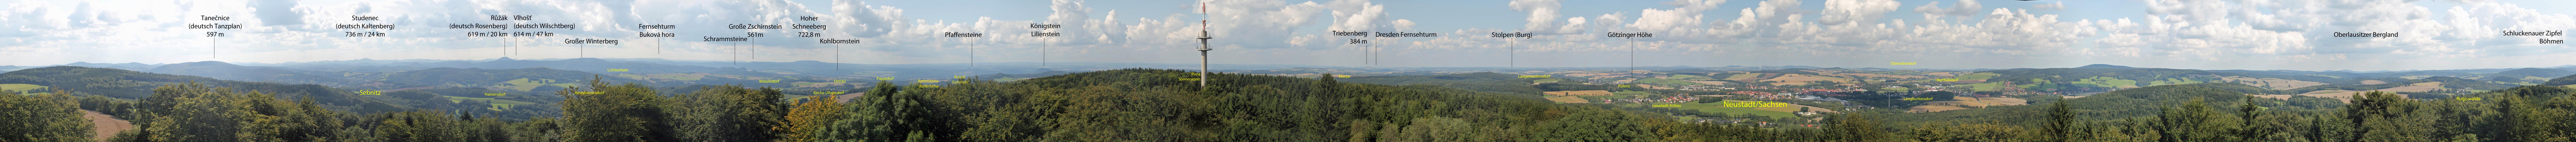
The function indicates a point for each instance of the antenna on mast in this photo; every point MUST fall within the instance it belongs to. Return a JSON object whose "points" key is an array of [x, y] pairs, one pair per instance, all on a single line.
{"points": [[1203, 44]]}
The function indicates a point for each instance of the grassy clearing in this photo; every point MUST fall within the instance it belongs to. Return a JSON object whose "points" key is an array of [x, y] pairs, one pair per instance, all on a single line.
{"points": [[21, 87], [1546, 80]]}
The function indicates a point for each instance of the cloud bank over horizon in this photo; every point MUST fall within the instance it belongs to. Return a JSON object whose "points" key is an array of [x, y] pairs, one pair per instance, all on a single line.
{"points": [[2257, 35]]}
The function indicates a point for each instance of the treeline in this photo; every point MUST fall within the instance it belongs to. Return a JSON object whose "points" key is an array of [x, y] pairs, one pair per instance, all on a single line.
{"points": [[2216, 112]]}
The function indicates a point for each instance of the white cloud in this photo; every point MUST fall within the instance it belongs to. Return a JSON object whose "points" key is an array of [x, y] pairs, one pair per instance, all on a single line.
{"points": [[1856, 11], [867, 20], [1963, 8], [1543, 17], [271, 12]]}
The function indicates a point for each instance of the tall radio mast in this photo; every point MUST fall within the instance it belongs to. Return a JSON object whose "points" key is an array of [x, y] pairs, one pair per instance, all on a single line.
{"points": [[1203, 45]]}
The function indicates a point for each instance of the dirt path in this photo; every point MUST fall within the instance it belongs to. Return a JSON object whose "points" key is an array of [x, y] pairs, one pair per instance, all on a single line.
{"points": [[107, 125]]}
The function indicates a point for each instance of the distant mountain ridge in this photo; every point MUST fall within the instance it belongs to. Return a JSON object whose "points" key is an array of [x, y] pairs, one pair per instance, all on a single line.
{"points": [[2534, 72], [228, 71], [478, 77], [126, 66], [2105, 66]]}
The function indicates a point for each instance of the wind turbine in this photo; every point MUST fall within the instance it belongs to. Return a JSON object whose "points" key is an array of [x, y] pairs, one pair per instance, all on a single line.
{"points": [[1203, 45]]}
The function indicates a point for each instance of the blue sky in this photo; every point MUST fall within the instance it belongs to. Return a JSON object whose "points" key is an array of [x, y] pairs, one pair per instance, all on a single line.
{"points": [[2201, 34]]}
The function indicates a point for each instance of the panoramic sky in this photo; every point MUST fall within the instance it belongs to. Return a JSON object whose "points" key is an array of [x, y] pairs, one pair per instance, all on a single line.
{"points": [[2186, 34]]}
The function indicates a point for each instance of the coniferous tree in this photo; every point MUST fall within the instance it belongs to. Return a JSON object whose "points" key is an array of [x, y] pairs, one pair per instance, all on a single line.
{"points": [[2194, 121], [2249, 129], [1857, 127], [2061, 122]]}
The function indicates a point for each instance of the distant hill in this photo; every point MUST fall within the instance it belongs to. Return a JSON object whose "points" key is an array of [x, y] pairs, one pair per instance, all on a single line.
{"points": [[2104, 66], [2092, 78], [228, 71], [2533, 72], [1482, 81], [126, 66], [478, 77], [1026, 75], [2447, 83], [595, 65], [2561, 81], [1691, 71], [128, 84]]}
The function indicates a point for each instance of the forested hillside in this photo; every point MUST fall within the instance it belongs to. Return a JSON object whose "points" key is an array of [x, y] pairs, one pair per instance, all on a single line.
{"points": [[2527, 113], [124, 84]]}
